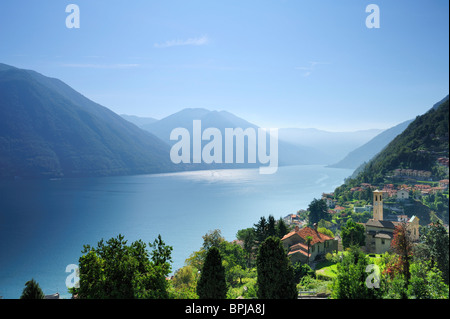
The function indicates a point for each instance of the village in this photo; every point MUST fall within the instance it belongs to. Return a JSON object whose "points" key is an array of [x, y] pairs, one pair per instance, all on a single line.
{"points": [[379, 208]]}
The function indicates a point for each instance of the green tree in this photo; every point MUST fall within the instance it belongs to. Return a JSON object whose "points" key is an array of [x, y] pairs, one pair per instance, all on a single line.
{"points": [[353, 234], [436, 241], [350, 282], [196, 259], [261, 230], [302, 270], [184, 283], [151, 281], [115, 270], [234, 261], [32, 290], [247, 236], [212, 284], [212, 239], [325, 231], [426, 282], [275, 273], [271, 226], [317, 210], [281, 228]]}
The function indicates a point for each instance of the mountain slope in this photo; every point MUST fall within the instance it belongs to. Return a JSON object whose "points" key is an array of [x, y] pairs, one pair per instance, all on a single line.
{"points": [[333, 145], [47, 129], [418, 147], [138, 121], [365, 152]]}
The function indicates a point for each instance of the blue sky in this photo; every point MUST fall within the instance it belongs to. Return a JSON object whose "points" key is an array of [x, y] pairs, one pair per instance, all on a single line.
{"points": [[276, 63]]}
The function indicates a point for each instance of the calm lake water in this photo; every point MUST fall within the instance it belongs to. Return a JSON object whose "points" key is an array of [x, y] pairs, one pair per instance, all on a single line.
{"points": [[45, 223]]}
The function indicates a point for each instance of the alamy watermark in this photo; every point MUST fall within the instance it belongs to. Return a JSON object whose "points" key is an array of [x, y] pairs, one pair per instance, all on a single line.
{"points": [[73, 19], [373, 19], [73, 279], [219, 151], [373, 280]]}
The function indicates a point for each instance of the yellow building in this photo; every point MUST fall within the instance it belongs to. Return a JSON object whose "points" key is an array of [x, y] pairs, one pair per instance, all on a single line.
{"points": [[380, 232]]}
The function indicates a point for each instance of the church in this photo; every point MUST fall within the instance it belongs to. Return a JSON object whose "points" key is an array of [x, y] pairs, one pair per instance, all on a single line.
{"points": [[380, 232]]}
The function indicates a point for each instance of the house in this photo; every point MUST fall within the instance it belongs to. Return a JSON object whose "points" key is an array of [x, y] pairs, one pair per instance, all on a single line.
{"points": [[328, 198], [443, 161], [443, 183], [402, 194], [339, 209], [296, 244], [328, 201], [435, 190], [292, 219]]}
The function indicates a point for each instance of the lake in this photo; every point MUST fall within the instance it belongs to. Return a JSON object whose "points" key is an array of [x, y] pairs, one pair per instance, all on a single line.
{"points": [[45, 223]]}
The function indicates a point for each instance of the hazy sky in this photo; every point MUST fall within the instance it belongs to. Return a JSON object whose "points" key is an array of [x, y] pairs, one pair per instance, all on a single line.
{"points": [[276, 63]]}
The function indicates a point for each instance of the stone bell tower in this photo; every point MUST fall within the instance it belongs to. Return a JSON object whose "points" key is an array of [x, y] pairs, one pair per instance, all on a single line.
{"points": [[377, 205]]}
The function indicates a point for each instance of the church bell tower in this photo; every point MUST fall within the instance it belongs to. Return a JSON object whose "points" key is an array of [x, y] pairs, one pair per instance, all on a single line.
{"points": [[377, 205]]}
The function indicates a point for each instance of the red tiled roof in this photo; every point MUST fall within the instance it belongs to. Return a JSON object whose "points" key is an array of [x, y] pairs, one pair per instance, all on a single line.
{"points": [[299, 246], [301, 251], [308, 231]]}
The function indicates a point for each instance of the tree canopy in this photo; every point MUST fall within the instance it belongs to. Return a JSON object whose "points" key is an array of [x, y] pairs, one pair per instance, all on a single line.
{"points": [[116, 270], [212, 284], [32, 290], [317, 210], [353, 234], [275, 272]]}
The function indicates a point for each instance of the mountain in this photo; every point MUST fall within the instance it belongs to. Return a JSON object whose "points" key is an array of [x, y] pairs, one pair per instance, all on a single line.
{"points": [[288, 153], [418, 147], [435, 106], [365, 152], [333, 145], [47, 129], [138, 121], [296, 145]]}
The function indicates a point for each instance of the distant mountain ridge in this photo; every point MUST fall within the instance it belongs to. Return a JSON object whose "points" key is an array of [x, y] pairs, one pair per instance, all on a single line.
{"points": [[47, 129], [288, 153], [138, 121], [297, 146], [365, 152], [333, 145]]}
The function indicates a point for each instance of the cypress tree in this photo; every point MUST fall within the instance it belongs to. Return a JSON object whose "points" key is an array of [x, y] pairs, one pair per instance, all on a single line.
{"points": [[275, 272], [212, 284], [32, 291]]}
